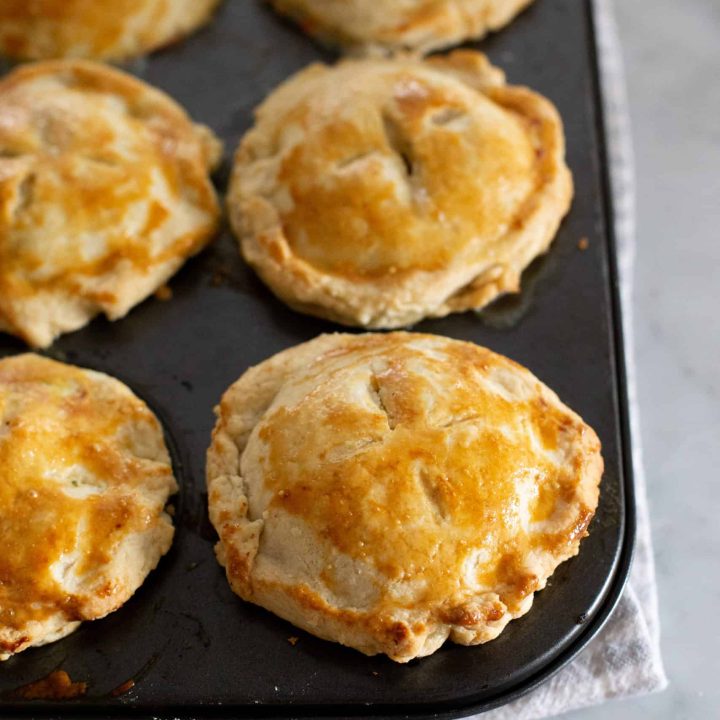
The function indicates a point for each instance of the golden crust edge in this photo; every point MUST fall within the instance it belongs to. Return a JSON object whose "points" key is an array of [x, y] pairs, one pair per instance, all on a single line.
{"points": [[367, 303], [448, 33], [194, 24], [157, 538], [122, 279], [301, 605]]}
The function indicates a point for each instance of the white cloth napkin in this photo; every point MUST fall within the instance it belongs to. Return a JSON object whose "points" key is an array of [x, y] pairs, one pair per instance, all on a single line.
{"points": [[624, 659]]}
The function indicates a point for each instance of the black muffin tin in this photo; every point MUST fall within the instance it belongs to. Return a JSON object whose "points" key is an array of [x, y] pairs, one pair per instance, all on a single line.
{"points": [[192, 648]]}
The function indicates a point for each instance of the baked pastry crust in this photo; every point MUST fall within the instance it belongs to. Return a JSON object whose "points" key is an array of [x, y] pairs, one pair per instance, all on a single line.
{"points": [[104, 193], [390, 25], [391, 491], [379, 192], [117, 30], [84, 480]]}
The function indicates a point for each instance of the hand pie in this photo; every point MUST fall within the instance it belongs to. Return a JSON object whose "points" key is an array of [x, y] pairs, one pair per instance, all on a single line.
{"points": [[379, 192], [389, 492], [96, 29], [104, 193], [424, 25], [84, 480]]}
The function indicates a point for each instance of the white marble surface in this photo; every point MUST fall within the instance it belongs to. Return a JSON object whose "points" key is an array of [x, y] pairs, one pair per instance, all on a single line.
{"points": [[672, 55]]}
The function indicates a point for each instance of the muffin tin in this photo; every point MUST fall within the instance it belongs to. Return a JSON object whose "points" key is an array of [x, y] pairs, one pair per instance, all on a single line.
{"points": [[191, 647]]}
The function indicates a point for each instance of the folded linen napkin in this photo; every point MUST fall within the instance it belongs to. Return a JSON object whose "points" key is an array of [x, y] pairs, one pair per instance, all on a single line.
{"points": [[624, 659]]}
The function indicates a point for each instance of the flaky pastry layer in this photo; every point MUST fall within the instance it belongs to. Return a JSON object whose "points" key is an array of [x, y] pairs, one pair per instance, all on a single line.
{"points": [[379, 192], [84, 480], [104, 193], [96, 29], [393, 491], [368, 26]]}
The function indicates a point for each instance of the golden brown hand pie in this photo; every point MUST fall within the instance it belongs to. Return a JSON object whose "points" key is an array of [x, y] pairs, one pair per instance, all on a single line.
{"points": [[366, 25], [104, 193], [84, 480], [379, 192], [392, 491], [96, 29]]}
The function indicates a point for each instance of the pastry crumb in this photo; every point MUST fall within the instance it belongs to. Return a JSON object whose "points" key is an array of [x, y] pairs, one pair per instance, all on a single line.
{"points": [[293, 640], [164, 292], [583, 244], [56, 686], [122, 689]]}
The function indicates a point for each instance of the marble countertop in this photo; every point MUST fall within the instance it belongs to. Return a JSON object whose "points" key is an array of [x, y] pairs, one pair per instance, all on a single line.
{"points": [[672, 58]]}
